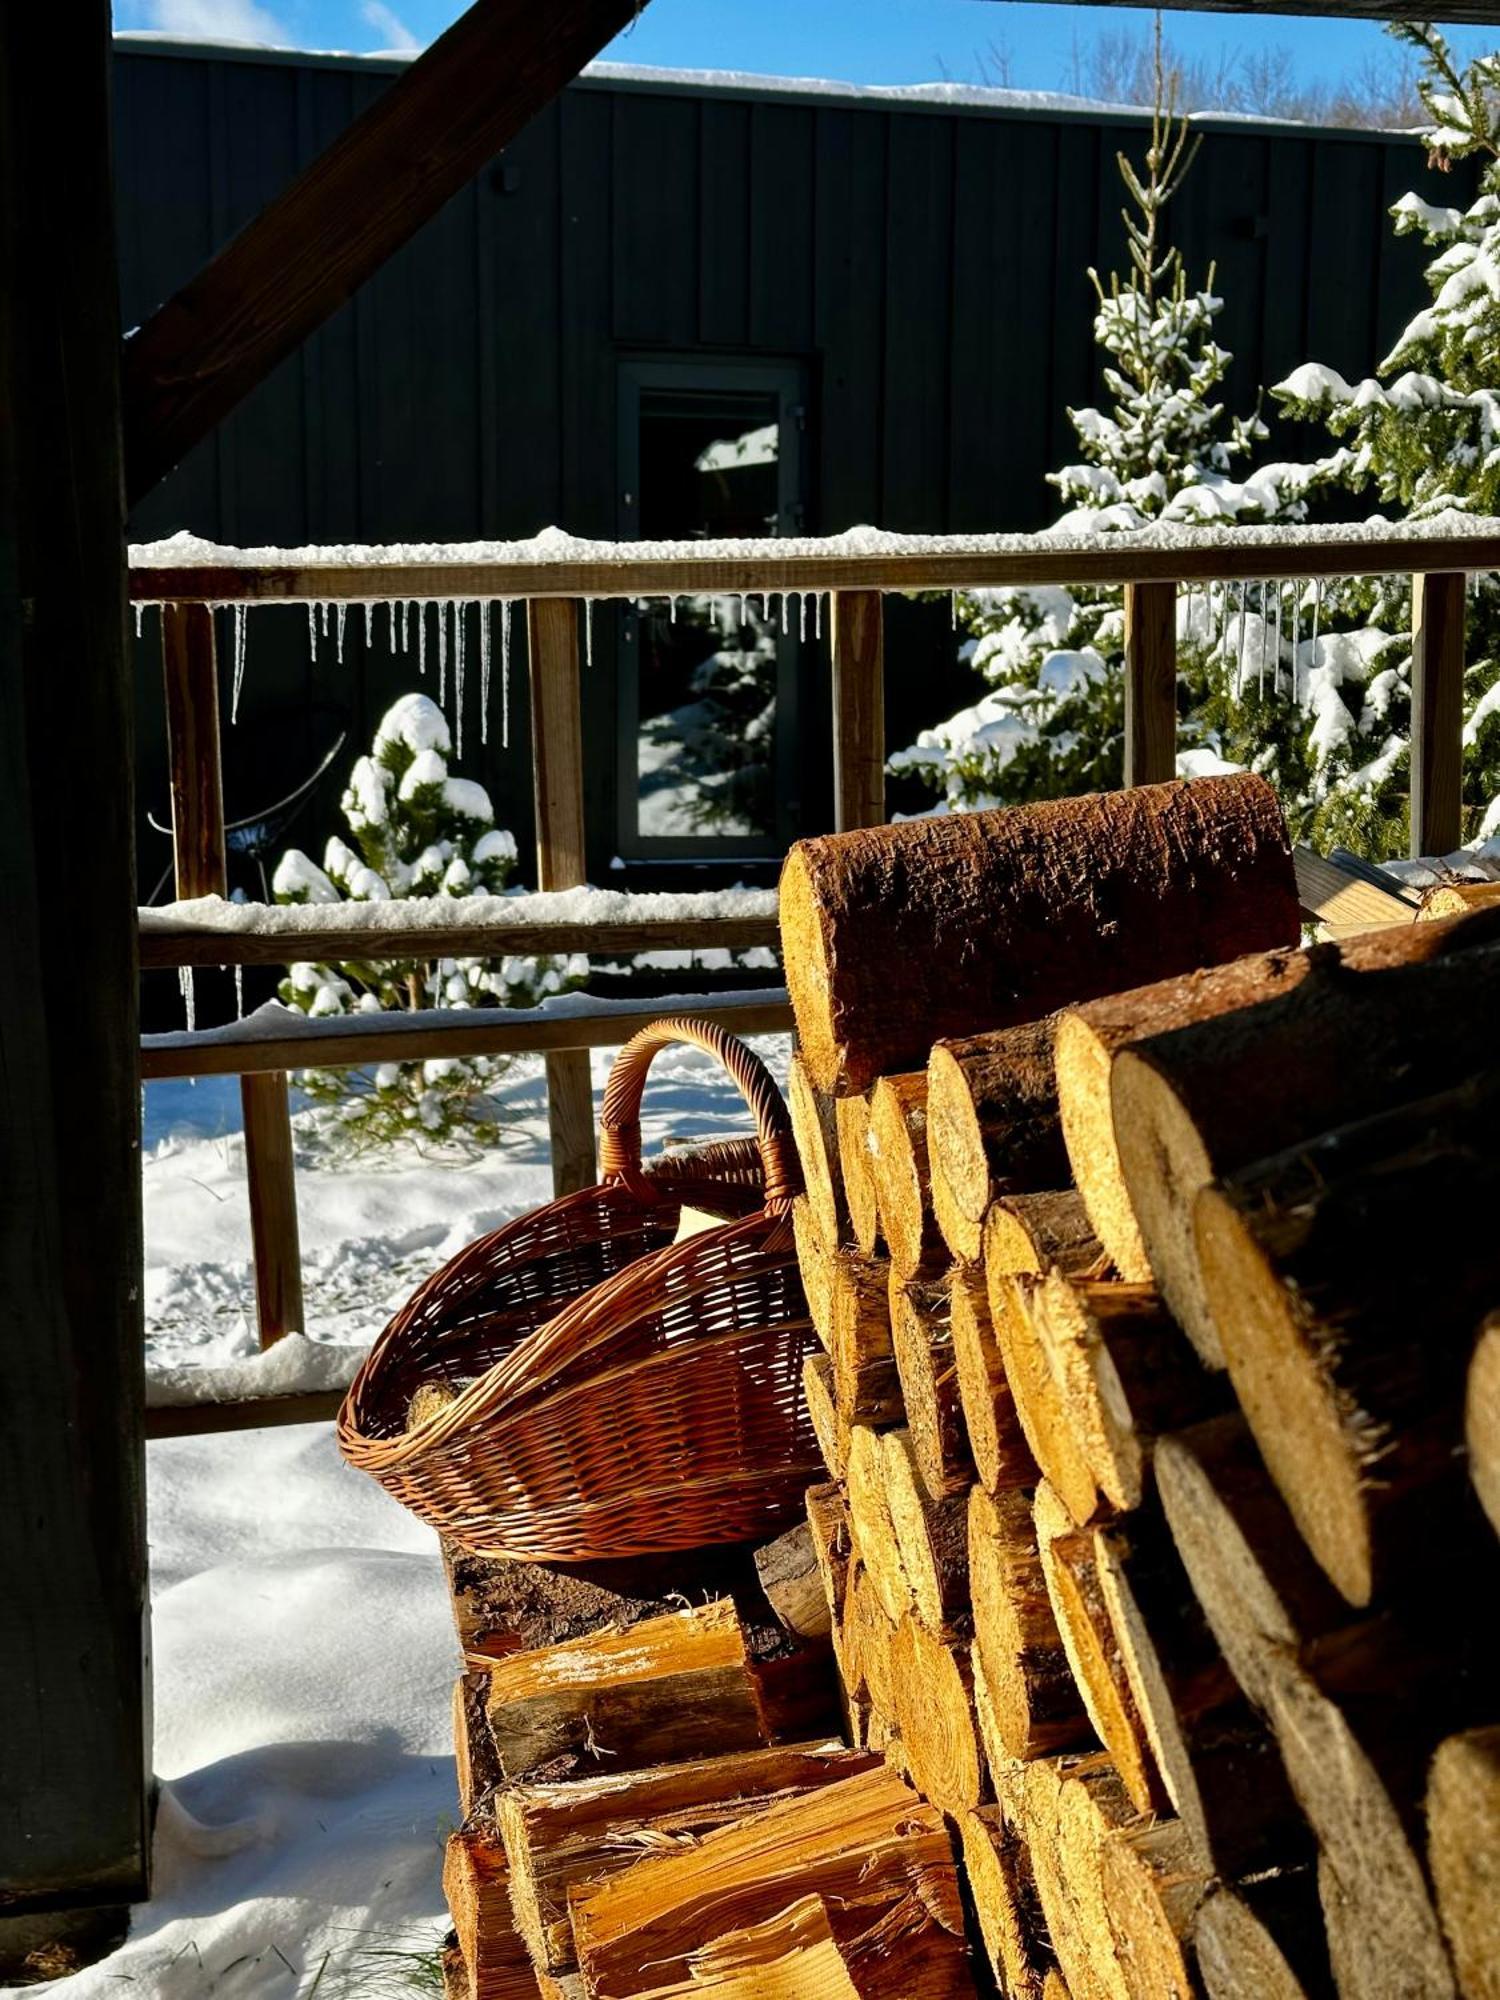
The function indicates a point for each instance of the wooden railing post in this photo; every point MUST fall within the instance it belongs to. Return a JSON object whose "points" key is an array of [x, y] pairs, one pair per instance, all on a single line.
{"points": [[190, 670], [1437, 712], [557, 761], [1150, 683], [858, 709]]}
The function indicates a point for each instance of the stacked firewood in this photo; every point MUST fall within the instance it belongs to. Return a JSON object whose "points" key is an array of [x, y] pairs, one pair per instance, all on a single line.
{"points": [[1151, 1256]]}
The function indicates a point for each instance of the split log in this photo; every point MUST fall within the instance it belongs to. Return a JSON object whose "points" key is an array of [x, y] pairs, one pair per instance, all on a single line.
{"points": [[1264, 1941], [933, 1690], [870, 1522], [898, 936], [587, 1828], [992, 1127], [1348, 1358], [474, 1753], [852, 1122], [1153, 1886], [792, 1580], [1125, 1374], [1083, 1624], [816, 1132], [476, 1884], [1482, 1419], [832, 1430], [833, 1547], [932, 1535], [900, 1171], [1351, 1034], [997, 1443], [1010, 1921], [1029, 1683], [668, 1689], [921, 1335], [1463, 1848], [865, 1836], [455, 1972]]}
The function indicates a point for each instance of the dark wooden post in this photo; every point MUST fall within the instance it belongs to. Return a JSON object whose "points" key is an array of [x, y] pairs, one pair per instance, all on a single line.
{"points": [[1437, 712], [858, 709], [557, 762], [74, 1733], [1150, 683], [190, 675]]}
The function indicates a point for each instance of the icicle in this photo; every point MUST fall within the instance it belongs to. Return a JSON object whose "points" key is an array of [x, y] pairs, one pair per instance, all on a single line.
{"points": [[817, 614], [312, 632], [322, 618], [781, 609], [1317, 620], [140, 612], [671, 610], [458, 675], [237, 616], [1239, 668], [1260, 673], [1296, 622], [369, 623], [802, 616], [953, 610], [484, 671], [505, 674], [741, 620], [239, 992], [342, 614], [189, 996], [442, 636], [588, 631]]}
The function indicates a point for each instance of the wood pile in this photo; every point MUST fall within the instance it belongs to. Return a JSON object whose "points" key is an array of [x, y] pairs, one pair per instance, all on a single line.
{"points": [[1137, 1644], [1161, 1410]]}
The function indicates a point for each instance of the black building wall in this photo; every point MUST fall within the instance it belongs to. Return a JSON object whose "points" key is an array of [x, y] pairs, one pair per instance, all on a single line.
{"points": [[927, 266]]}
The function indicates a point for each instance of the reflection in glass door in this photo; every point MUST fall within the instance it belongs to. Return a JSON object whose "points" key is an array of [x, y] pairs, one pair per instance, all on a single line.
{"points": [[708, 733]]}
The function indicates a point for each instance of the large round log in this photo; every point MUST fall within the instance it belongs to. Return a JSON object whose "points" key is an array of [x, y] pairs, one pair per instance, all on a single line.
{"points": [[898, 936], [1463, 1847], [992, 1127], [1347, 1347], [1351, 1033]]}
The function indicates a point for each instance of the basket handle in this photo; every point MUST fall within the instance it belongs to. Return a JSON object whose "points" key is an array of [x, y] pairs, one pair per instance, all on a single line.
{"points": [[620, 1118]]}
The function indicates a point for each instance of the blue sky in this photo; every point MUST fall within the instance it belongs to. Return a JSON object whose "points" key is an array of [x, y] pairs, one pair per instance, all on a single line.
{"points": [[855, 41]]}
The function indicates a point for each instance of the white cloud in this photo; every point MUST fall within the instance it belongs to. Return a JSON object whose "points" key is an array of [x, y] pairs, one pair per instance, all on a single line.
{"points": [[389, 25], [219, 21]]}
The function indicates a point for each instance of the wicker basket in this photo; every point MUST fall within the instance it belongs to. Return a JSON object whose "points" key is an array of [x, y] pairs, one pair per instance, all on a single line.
{"points": [[623, 1393]]}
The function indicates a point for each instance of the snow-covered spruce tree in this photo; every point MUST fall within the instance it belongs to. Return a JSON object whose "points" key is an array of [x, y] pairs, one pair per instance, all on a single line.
{"points": [[1422, 437], [417, 831], [1052, 720]]}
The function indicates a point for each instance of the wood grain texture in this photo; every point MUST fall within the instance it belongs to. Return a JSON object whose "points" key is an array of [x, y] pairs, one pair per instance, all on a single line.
{"points": [[858, 709], [418, 143], [1150, 683], [1437, 712], [271, 1178], [191, 682]]}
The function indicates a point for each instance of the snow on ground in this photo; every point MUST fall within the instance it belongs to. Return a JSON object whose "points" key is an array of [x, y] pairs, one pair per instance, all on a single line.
{"points": [[304, 1655]]}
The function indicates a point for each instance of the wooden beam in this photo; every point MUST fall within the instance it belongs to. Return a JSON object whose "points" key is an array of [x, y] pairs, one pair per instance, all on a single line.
{"points": [[271, 1179], [468, 96], [349, 1041], [74, 1744], [175, 1420], [1437, 712], [1150, 683], [164, 946], [858, 621], [920, 562], [191, 682], [1344, 903], [561, 857]]}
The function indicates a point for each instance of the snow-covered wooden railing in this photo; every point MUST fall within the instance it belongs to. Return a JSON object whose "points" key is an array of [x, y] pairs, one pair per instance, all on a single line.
{"points": [[554, 578]]}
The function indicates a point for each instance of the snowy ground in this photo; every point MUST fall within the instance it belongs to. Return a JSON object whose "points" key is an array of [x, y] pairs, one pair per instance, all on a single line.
{"points": [[303, 1652]]}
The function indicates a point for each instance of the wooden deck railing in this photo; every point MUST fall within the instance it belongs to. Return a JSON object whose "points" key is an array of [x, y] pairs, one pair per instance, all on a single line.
{"points": [[551, 577]]}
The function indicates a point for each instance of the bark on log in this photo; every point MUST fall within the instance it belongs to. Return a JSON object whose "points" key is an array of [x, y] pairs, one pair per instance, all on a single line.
{"points": [[476, 1884], [874, 1531], [1083, 1624], [932, 1535], [859, 1838], [1005, 1905], [992, 1127], [866, 1381], [816, 1132], [581, 1830], [997, 1444], [852, 1122], [933, 1690], [1351, 1033], [897, 936], [1463, 1848], [1033, 1696], [474, 1753], [1349, 1359], [1482, 1419], [921, 1335], [830, 1428], [1026, 1234], [1125, 1374], [1265, 1941], [899, 1169], [668, 1689], [792, 1580]]}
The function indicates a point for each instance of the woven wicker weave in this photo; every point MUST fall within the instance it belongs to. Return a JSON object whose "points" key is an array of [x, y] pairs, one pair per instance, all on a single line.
{"points": [[620, 1393]]}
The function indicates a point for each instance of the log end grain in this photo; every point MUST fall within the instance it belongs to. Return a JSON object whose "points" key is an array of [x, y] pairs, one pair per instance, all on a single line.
{"points": [[1084, 1060], [1463, 1847], [1482, 1420]]}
